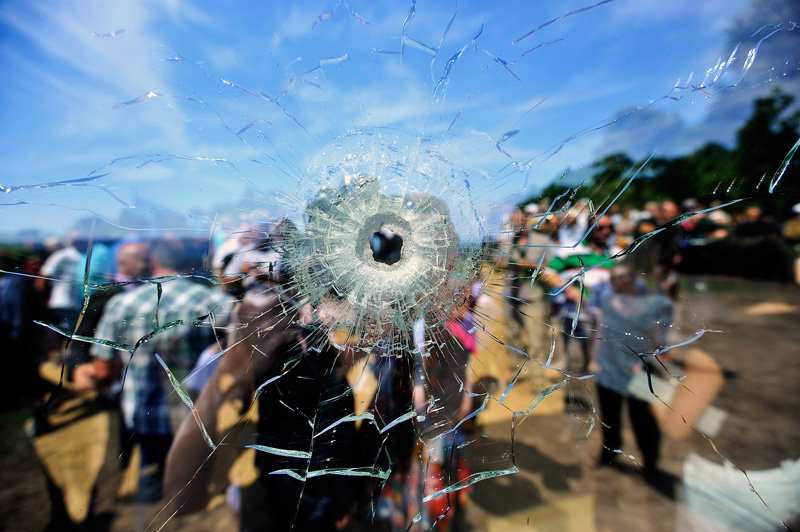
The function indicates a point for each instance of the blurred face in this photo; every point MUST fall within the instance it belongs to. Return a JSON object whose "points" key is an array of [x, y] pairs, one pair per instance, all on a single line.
{"points": [[645, 227], [603, 230], [622, 280], [133, 261], [753, 214], [669, 211], [517, 221], [549, 224]]}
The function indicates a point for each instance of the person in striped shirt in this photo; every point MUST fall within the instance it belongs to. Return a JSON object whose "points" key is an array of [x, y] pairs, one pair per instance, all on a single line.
{"points": [[171, 316]]}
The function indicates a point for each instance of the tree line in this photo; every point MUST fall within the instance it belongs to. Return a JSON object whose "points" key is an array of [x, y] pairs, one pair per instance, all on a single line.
{"points": [[712, 172]]}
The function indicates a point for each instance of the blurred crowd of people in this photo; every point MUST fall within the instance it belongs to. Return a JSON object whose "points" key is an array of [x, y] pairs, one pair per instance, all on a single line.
{"points": [[603, 283], [686, 237], [128, 320], [152, 312]]}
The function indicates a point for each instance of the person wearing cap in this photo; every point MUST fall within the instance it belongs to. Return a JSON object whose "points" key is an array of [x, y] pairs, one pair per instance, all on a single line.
{"points": [[257, 259]]}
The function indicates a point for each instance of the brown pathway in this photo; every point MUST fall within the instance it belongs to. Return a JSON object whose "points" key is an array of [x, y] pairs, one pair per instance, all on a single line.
{"points": [[555, 489]]}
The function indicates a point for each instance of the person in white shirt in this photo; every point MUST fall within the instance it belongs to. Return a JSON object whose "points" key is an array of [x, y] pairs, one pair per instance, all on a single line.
{"points": [[59, 268]]}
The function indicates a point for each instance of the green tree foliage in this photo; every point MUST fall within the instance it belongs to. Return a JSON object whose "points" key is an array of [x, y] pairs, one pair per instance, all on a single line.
{"points": [[712, 171]]}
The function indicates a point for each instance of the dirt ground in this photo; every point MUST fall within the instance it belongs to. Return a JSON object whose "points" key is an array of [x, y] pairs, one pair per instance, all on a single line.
{"points": [[756, 341]]}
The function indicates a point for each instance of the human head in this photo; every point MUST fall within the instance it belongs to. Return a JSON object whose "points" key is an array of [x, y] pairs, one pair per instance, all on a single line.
{"points": [[169, 257], [133, 260], [516, 221], [652, 208], [549, 224], [623, 280], [690, 205], [753, 213], [668, 210], [602, 231], [571, 217], [644, 227]]}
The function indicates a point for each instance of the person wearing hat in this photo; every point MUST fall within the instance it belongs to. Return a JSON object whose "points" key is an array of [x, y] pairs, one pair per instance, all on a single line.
{"points": [[256, 260]]}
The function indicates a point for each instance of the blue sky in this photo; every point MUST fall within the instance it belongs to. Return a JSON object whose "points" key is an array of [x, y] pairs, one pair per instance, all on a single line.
{"points": [[174, 108]]}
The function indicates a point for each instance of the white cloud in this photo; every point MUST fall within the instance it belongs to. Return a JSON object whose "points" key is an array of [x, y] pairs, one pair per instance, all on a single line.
{"points": [[224, 57], [625, 14]]}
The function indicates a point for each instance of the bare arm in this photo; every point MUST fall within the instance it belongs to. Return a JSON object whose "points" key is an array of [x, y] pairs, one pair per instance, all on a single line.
{"points": [[98, 373], [549, 277], [262, 331]]}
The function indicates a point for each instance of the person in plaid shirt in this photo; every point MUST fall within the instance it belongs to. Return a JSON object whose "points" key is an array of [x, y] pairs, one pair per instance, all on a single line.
{"points": [[179, 316]]}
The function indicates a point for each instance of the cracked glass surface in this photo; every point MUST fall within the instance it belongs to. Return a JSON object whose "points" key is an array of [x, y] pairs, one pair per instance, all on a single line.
{"points": [[370, 160]]}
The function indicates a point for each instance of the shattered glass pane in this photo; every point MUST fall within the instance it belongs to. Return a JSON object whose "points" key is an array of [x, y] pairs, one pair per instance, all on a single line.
{"points": [[400, 266]]}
